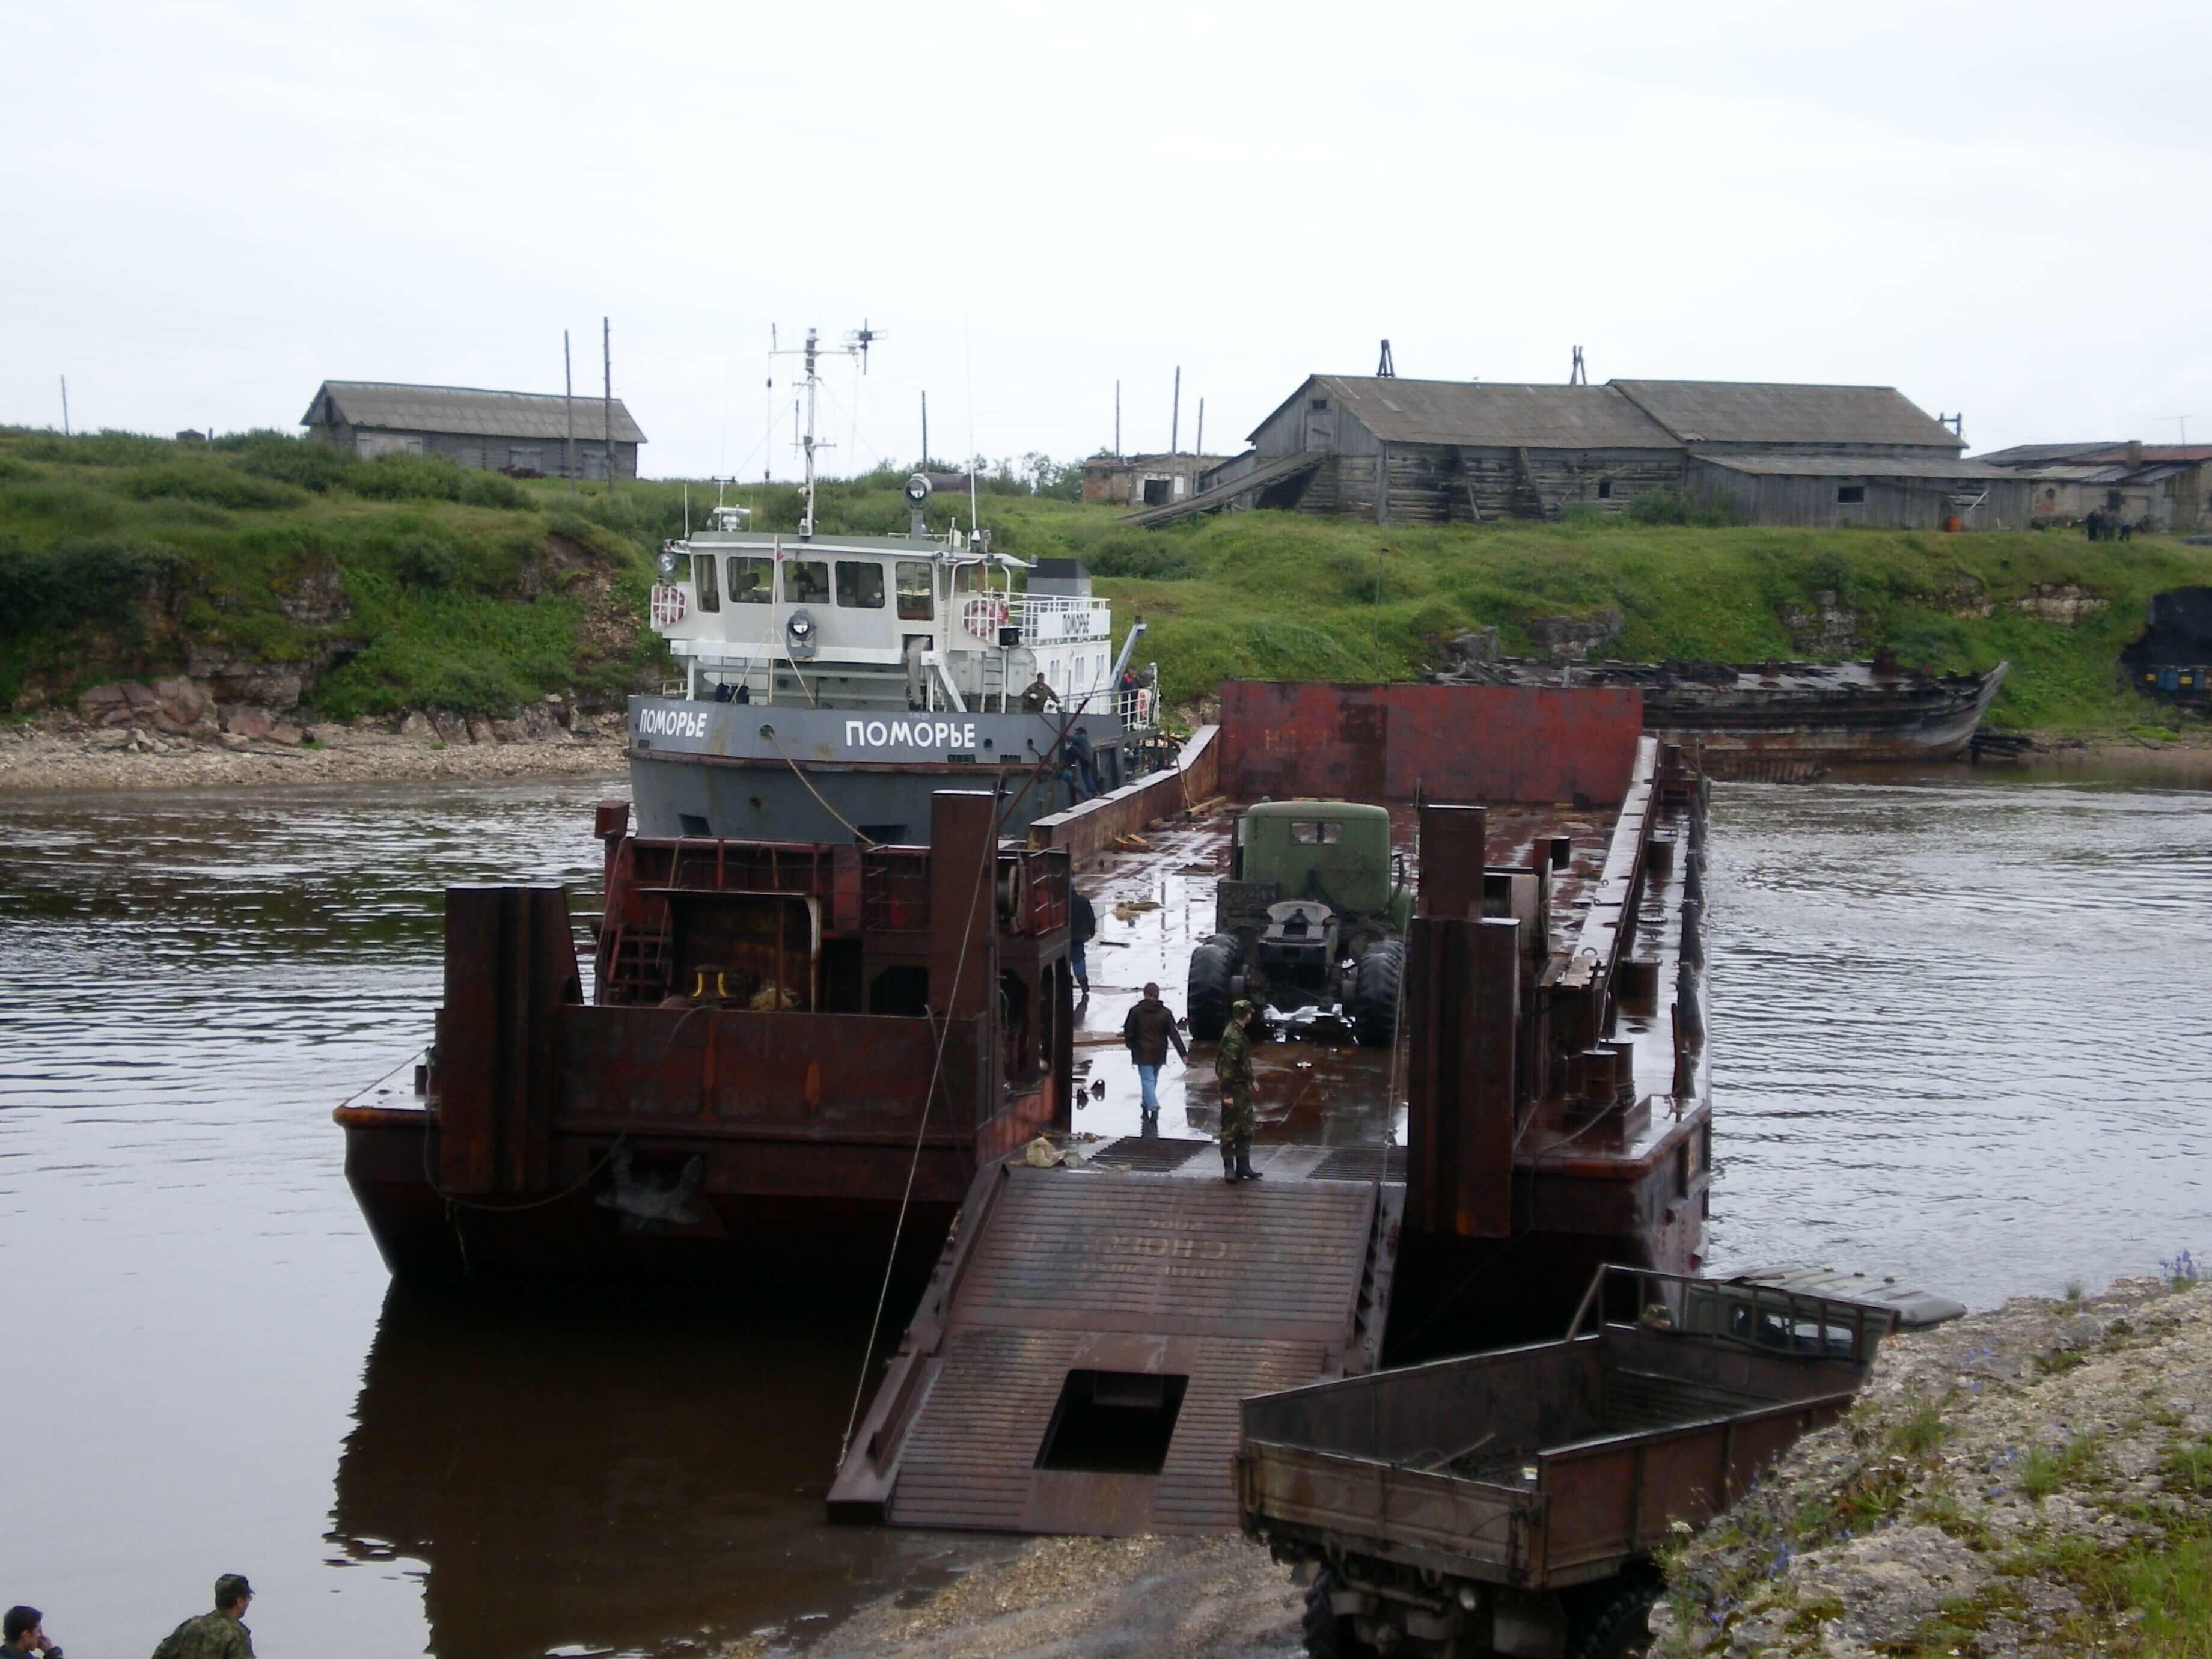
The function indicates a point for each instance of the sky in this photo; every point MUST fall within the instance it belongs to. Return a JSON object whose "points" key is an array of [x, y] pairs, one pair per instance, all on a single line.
{"points": [[208, 209]]}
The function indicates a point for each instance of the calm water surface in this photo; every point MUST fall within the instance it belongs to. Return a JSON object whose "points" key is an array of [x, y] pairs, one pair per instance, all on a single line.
{"points": [[1961, 1037]]}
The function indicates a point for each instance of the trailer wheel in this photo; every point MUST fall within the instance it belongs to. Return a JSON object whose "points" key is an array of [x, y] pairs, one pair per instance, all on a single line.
{"points": [[1375, 993], [1328, 1636], [1615, 1622], [1214, 968]]}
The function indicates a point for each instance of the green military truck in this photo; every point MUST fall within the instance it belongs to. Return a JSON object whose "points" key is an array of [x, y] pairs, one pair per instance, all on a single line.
{"points": [[1310, 925]]}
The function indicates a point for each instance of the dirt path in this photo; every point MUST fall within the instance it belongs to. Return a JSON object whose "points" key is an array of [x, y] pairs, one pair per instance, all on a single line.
{"points": [[1089, 1598]]}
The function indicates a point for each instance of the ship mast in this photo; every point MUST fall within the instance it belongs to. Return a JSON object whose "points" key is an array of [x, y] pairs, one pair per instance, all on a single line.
{"points": [[857, 342], [806, 523]]}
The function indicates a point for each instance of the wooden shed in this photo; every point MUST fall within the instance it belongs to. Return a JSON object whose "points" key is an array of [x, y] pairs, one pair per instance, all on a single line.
{"points": [[1898, 492], [519, 432]]}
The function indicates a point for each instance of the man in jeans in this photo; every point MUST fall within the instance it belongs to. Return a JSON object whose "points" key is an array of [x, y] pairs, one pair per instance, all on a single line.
{"points": [[1148, 1031], [1082, 928]]}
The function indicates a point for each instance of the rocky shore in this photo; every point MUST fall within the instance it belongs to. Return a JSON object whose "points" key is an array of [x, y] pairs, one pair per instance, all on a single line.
{"points": [[174, 733], [2032, 1481]]}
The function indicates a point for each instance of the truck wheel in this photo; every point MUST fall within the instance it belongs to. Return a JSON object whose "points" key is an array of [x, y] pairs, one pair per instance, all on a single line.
{"points": [[1615, 1622], [1214, 967], [1375, 993], [1328, 1636]]}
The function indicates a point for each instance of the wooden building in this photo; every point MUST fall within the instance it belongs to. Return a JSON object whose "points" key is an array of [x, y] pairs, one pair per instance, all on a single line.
{"points": [[518, 432], [1145, 480], [2157, 486], [1433, 452]]}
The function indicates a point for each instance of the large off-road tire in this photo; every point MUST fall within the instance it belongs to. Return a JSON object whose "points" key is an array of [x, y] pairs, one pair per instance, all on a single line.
{"points": [[1375, 993], [1328, 1636], [1214, 965], [1616, 1618]]}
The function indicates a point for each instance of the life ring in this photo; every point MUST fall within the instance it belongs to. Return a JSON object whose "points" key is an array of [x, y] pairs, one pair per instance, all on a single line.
{"points": [[667, 605], [983, 616]]}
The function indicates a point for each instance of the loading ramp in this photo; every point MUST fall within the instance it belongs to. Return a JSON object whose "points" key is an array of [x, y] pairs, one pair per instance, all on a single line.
{"points": [[1084, 1346]]}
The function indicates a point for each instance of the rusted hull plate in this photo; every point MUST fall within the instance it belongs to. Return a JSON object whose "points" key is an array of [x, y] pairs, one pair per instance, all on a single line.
{"points": [[969, 1462], [1220, 1291], [1467, 743]]}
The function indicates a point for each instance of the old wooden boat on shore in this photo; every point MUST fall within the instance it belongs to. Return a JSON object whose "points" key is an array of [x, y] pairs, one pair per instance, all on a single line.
{"points": [[1779, 722]]}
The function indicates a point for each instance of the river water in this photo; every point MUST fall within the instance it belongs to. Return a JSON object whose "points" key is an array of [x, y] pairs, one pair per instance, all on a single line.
{"points": [[1961, 1037]]}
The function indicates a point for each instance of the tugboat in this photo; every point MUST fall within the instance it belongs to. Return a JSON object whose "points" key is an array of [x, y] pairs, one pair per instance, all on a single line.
{"points": [[832, 683]]}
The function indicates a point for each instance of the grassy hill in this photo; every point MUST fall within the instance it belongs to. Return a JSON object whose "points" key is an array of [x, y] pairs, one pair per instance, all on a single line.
{"points": [[407, 582]]}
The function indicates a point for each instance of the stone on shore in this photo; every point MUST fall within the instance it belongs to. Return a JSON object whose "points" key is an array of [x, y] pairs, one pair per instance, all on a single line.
{"points": [[249, 722]]}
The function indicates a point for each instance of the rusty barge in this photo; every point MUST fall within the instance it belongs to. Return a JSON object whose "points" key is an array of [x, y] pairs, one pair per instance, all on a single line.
{"points": [[1779, 721], [786, 1047]]}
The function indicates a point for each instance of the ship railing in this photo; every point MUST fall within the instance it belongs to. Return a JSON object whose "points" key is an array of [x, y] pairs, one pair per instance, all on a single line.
{"points": [[1051, 619]]}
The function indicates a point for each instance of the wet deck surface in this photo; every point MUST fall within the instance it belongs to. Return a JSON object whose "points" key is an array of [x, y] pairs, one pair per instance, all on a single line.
{"points": [[1156, 905]]}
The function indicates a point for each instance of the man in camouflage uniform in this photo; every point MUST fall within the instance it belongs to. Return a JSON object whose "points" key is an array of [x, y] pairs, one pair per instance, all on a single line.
{"points": [[1232, 1065], [219, 1635]]}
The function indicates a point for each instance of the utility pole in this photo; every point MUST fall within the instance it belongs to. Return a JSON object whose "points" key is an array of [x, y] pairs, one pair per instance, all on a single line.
{"points": [[1198, 447], [1174, 418], [1384, 368], [1576, 374], [925, 432], [568, 397], [1117, 420], [607, 350], [65, 429]]}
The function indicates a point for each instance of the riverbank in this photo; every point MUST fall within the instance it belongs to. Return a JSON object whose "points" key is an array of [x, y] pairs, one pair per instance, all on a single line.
{"points": [[2035, 1480], [58, 754], [2031, 1481]]}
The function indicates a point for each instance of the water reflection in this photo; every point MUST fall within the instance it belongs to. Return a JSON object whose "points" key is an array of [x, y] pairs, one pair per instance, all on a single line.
{"points": [[648, 1478]]}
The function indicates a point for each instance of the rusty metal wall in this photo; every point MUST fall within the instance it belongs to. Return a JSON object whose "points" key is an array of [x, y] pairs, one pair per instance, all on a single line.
{"points": [[1498, 745], [1091, 828]]}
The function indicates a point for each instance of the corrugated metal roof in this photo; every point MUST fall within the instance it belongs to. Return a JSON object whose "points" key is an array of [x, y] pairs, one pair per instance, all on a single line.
{"points": [[1771, 464], [2039, 455], [385, 406], [1750, 412], [2048, 454], [1484, 415]]}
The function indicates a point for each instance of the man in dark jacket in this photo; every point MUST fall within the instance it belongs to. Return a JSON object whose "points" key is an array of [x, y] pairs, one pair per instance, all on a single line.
{"points": [[1148, 1031], [222, 1634], [1082, 926]]}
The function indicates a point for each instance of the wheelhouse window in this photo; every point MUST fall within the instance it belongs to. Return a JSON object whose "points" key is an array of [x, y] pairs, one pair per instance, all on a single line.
{"points": [[916, 603], [752, 581], [1847, 494], [860, 584], [702, 580], [1323, 833], [806, 581]]}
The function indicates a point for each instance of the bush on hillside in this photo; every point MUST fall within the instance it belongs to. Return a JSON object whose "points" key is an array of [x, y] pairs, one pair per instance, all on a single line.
{"points": [[434, 478], [309, 465], [105, 447], [211, 480], [1678, 507], [79, 578]]}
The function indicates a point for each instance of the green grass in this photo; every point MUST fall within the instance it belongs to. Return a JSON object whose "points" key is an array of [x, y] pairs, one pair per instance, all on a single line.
{"points": [[120, 555], [1270, 594], [474, 592]]}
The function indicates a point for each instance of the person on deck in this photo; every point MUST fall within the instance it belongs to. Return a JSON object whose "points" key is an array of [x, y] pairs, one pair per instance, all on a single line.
{"points": [[1037, 695], [1082, 928], [1085, 760], [26, 1633], [1232, 1067], [1148, 1031], [219, 1635]]}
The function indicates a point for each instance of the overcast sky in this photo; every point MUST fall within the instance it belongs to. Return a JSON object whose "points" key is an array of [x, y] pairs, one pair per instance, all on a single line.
{"points": [[208, 209]]}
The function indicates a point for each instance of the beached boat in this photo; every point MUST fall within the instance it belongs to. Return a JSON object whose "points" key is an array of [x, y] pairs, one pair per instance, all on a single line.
{"points": [[1783, 721]]}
